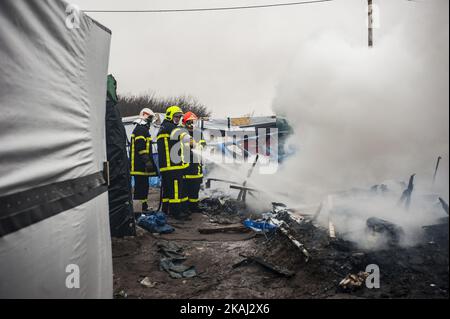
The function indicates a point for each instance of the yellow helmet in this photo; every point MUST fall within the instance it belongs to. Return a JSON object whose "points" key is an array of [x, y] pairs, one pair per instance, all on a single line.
{"points": [[171, 111]]}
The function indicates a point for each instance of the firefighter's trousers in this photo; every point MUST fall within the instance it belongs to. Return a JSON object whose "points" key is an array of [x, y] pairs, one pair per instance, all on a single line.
{"points": [[174, 194]]}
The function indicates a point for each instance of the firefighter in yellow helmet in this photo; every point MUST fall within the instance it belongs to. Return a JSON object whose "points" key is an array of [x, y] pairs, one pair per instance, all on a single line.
{"points": [[141, 157], [171, 138], [194, 173]]}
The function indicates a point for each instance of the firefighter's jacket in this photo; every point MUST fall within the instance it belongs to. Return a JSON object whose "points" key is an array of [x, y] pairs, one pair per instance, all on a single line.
{"points": [[170, 147], [195, 169], [141, 151]]}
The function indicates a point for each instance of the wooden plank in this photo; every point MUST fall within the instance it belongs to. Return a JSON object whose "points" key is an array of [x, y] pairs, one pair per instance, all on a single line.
{"points": [[236, 228]]}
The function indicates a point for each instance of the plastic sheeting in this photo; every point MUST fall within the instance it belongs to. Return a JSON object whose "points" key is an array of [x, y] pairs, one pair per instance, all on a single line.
{"points": [[120, 198], [52, 130]]}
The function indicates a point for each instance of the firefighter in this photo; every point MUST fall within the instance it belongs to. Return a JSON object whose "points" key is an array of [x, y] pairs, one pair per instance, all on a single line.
{"points": [[194, 173], [171, 138], [141, 157]]}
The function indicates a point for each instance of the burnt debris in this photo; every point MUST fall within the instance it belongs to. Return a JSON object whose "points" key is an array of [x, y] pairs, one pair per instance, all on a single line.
{"points": [[393, 232]]}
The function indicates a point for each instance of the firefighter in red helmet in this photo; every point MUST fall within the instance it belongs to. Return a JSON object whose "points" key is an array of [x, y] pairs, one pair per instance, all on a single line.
{"points": [[194, 173]]}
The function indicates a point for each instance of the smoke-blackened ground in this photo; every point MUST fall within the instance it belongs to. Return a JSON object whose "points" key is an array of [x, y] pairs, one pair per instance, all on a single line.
{"points": [[415, 272]]}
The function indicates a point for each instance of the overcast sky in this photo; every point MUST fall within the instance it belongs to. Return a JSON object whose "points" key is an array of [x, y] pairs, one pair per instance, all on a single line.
{"points": [[232, 61]]}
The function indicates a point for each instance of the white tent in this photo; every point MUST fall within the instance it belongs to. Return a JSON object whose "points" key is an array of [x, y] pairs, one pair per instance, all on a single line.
{"points": [[53, 200]]}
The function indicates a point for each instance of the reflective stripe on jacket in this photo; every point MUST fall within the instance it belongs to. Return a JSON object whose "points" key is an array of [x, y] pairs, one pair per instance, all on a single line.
{"points": [[170, 148], [141, 144]]}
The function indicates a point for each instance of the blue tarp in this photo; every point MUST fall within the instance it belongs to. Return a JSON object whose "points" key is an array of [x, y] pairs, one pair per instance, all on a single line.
{"points": [[259, 226], [155, 223]]}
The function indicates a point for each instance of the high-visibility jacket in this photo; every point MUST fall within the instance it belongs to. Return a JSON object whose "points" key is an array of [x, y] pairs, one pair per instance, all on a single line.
{"points": [[195, 169], [170, 136], [141, 151]]}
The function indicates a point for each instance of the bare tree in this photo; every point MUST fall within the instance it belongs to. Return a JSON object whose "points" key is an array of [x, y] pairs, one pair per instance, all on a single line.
{"points": [[132, 105]]}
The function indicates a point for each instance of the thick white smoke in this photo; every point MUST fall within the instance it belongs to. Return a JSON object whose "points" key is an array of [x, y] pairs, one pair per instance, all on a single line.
{"points": [[363, 116]]}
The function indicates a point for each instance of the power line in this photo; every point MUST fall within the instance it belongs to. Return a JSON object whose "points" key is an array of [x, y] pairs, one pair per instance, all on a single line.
{"points": [[210, 9]]}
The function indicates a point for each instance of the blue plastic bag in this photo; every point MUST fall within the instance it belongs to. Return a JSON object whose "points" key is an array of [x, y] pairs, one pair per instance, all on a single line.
{"points": [[155, 182], [155, 223], [259, 226]]}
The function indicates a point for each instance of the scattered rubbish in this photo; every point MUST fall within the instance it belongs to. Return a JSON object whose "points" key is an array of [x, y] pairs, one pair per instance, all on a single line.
{"points": [[121, 295], [147, 283], [155, 223], [284, 228], [223, 210], [177, 270], [173, 259], [331, 257], [333, 263], [276, 269], [190, 273], [232, 228], [275, 205], [394, 232], [353, 281], [171, 250], [296, 243]]}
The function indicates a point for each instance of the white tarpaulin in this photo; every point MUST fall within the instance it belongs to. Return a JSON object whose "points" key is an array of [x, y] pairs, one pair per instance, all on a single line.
{"points": [[53, 205]]}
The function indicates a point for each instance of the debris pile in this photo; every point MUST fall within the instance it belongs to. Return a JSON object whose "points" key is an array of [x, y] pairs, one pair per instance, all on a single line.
{"points": [[421, 270], [296, 258], [353, 281], [223, 210], [393, 232]]}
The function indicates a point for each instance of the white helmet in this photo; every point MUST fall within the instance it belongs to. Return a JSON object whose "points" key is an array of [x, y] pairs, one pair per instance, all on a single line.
{"points": [[146, 113]]}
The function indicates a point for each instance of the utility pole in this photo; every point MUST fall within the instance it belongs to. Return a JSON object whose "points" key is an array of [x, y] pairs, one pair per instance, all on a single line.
{"points": [[370, 23]]}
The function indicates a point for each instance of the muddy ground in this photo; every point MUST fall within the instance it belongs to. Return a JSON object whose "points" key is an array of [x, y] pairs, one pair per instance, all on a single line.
{"points": [[419, 272]]}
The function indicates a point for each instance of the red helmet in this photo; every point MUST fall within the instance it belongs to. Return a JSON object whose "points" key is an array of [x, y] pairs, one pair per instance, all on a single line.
{"points": [[189, 116]]}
